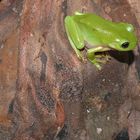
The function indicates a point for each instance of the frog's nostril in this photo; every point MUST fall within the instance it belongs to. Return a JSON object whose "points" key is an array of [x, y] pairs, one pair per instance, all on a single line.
{"points": [[125, 45]]}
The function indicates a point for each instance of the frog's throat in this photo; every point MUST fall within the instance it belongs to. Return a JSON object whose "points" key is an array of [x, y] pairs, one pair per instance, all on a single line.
{"points": [[101, 48]]}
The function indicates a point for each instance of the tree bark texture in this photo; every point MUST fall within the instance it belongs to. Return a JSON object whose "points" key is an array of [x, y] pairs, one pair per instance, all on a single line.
{"points": [[47, 93]]}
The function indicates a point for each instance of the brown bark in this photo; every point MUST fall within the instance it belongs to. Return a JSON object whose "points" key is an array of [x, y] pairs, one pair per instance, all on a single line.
{"points": [[46, 92]]}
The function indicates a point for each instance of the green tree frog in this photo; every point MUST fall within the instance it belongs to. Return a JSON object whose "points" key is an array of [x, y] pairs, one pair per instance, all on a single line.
{"points": [[96, 34]]}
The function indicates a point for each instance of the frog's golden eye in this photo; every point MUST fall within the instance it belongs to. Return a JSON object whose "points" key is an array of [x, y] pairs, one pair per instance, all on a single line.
{"points": [[125, 45]]}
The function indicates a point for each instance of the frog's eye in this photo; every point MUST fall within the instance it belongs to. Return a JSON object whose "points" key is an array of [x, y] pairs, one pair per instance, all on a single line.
{"points": [[125, 45]]}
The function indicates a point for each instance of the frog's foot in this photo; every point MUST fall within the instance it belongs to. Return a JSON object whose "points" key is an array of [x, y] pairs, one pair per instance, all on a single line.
{"points": [[107, 56], [98, 63], [103, 57], [98, 66]]}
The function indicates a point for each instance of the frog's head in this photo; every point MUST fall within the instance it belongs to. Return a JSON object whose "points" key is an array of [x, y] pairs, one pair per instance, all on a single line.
{"points": [[125, 39], [123, 45]]}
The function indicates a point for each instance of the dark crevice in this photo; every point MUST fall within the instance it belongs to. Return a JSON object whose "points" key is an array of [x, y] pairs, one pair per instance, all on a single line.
{"points": [[64, 7], [122, 135]]}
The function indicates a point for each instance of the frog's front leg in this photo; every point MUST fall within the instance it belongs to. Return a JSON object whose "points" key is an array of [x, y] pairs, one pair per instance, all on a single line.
{"points": [[74, 35], [94, 58]]}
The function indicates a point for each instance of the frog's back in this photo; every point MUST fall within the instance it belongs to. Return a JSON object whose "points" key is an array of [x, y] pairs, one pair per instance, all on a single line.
{"points": [[96, 22], [106, 27]]}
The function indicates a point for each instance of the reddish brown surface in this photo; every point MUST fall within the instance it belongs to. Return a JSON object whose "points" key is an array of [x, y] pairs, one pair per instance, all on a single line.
{"points": [[46, 93]]}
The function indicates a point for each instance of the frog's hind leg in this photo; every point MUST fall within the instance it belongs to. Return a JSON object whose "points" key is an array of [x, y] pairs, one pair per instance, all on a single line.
{"points": [[74, 35]]}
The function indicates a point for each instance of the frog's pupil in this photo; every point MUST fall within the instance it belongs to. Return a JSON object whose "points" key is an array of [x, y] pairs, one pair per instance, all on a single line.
{"points": [[125, 45]]}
